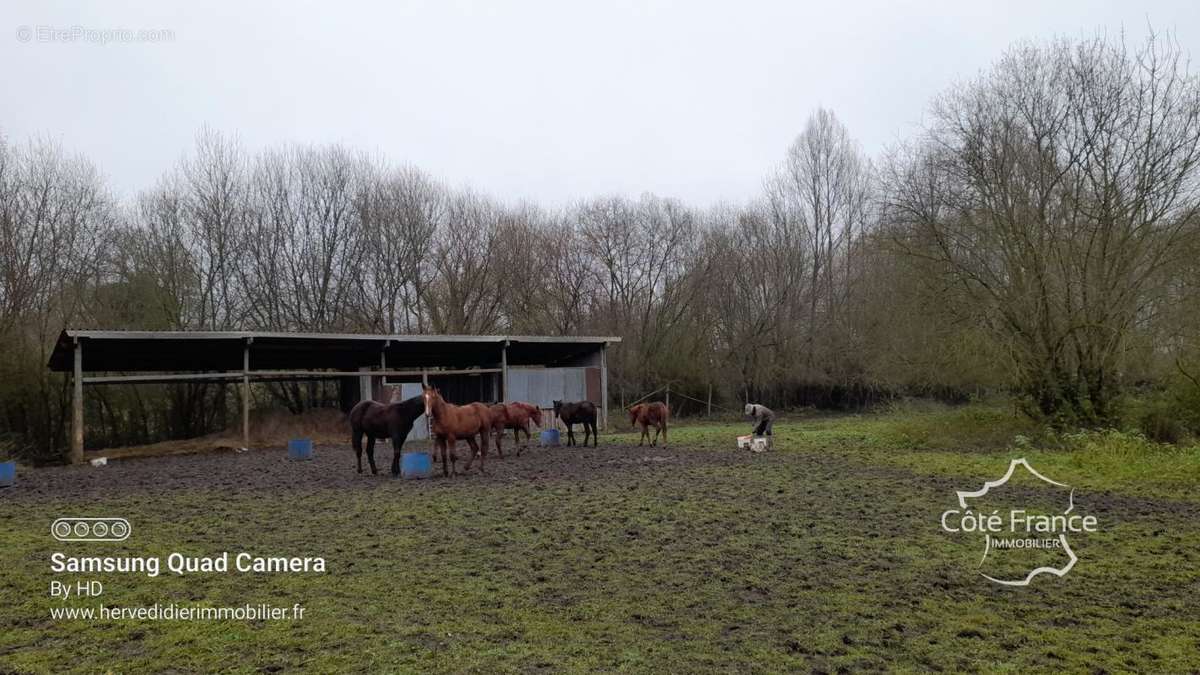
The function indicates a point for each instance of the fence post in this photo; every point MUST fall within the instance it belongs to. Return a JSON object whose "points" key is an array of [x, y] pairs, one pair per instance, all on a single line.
{"points": [[668, 397], [709, 413]]}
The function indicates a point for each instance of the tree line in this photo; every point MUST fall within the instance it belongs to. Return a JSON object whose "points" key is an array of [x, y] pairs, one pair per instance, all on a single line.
{"points": [[1038, 236]]}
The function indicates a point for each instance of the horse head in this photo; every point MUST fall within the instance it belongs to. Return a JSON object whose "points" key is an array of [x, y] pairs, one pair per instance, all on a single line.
{"points": [[634, 410], [557, 407], [432, 398]]}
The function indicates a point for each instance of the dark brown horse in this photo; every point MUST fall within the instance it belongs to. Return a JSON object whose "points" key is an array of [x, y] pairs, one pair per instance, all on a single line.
{"points": [[647, 414], [515, 416], [451, 422], [578, 412], [376, 421]]}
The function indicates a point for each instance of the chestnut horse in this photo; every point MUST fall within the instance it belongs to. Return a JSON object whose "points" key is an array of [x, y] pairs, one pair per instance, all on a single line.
{"points": [[513, 416], [580, 412], [647, 414], [451, 422], [376, 421]]}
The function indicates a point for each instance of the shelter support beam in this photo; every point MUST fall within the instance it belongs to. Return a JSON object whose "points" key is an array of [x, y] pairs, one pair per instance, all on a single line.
{"points": [[504, 372], [246, 394], [604, 385], [383, 383], [76, 455], [273, 374], [364, 384]]}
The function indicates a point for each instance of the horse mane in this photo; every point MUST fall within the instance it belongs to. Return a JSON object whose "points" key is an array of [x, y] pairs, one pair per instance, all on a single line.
{"points": [[411, 404]]}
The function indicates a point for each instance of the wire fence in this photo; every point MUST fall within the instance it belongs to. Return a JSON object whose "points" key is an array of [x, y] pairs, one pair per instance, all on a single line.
{"points": [[709, 406]]}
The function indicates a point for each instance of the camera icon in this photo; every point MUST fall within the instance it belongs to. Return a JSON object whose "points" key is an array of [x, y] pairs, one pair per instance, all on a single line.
{"points": [[90, 529]]}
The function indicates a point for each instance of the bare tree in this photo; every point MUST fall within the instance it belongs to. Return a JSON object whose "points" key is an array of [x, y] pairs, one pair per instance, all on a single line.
{"points": [[400, 211], [464, 295], [824, 190], [761, 280], [1050, 196], [55, 218], [304, 238]]}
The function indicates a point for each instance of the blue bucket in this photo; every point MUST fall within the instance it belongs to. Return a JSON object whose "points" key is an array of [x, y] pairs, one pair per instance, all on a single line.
{"points": [[415, 465], [550, 437], [300, 448], [8, 473]]}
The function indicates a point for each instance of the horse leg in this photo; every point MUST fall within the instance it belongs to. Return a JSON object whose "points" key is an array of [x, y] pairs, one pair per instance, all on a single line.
{"points": [[476, 448], [595, 436], [587, 432], [644, 437], [371, 454], [499, 450], [484, 441], [439, 447], [474, 451], [452, 448], [356, 441], [664, 430], [398, 438], [517, 439], [571, 434]]}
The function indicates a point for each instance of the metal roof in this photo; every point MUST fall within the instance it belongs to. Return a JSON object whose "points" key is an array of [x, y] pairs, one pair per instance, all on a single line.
{"points": [[182, 351]]}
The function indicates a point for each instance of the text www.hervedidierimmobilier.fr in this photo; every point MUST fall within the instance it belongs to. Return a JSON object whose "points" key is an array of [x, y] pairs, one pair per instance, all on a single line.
{"points": [[174, 612]]}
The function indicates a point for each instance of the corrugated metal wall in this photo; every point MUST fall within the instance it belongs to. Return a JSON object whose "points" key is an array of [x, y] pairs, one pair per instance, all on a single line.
{"points": [[542, 386], [539, 386]]}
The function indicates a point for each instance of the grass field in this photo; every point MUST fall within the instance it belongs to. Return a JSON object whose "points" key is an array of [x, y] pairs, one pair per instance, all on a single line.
{"points": [[825, 555]]}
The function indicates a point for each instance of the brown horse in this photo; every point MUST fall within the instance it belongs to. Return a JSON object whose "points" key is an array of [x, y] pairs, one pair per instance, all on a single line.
{"points": [[513, 416], [647, 414], [452, 422]]}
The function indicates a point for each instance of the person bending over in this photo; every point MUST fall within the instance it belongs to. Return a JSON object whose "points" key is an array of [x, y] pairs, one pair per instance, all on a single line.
{"points": [[764, 418]]}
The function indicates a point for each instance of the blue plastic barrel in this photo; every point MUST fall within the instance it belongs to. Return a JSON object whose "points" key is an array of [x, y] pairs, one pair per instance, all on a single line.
{"points": [[550, 437], [8, 473], [415, 465], [300, 448]]}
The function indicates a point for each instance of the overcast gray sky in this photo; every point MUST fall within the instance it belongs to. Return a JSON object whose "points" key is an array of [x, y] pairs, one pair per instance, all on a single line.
{"points": [[549, 101]]}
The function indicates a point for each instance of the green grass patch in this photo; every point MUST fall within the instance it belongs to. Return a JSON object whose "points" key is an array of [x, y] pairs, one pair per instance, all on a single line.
{"points": [[977, 440]]}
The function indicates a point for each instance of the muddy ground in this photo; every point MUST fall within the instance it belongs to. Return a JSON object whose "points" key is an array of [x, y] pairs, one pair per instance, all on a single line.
{"points": [[333, 467], [681, 558]]}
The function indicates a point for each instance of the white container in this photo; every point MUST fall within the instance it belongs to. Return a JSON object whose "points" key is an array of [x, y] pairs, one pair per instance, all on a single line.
{"points": [[99, 461], [754, 443]]}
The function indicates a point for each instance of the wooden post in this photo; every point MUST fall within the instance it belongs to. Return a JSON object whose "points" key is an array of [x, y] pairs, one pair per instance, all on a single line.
{"points": [[364, 384], [709, 413], [428, 424], [383, 383], [668, 397], [604, 385], [246, 394], [504, 373], [76, 454]]}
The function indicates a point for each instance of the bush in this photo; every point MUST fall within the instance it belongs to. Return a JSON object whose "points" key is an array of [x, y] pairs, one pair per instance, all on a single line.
{"points": [[8, 447], [1161, 426], [1171, 416]]}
